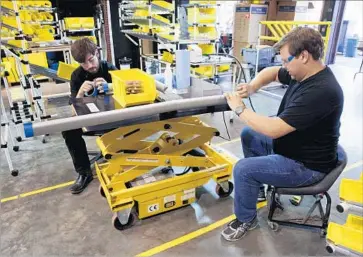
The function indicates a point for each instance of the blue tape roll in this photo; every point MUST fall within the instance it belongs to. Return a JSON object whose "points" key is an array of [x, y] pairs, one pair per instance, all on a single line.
{"points": [[94, 92], [28, 129], [105, 87]]}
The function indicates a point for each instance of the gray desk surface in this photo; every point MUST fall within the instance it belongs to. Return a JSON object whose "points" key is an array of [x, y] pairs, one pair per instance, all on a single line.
{"points": [[199, 88]]}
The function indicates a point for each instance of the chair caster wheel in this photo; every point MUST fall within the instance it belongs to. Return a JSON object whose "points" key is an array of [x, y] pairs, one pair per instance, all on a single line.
{"points": [[323, 233], [273, 226], [18, 139], [220, 191], [14, 173], [102, 192], [16, 148], [230, 120], [117, 224]]}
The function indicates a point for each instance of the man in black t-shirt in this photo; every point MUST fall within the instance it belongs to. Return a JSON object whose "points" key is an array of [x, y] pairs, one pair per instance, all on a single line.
{"points": [[296, 148], [89, 76]]}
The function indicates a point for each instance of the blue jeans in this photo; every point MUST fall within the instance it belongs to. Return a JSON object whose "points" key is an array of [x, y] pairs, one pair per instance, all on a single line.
{"points": [[261, 166]]}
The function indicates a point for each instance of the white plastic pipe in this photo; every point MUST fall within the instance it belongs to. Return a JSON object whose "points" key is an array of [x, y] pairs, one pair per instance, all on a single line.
{"points": [[48, 127]]}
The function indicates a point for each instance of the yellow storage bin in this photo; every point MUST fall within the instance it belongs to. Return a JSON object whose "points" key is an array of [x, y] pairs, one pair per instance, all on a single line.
{"points": [[207, 48], [205, 71], [76, 23], [34, 58], [203, 2], [65, 70], [167, 57], [349, 235], [145, 13], [351, 190], [147, 89], [203, 15], [224, 68]]}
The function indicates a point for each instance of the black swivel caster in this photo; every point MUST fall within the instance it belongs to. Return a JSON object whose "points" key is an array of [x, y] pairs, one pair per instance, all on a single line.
{"points": [[18, 139], [220, 191], [16, 148]]}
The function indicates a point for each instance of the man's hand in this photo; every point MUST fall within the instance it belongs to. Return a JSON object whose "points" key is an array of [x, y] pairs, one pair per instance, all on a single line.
{"points": [[86, 87], [244, 90], [234, 100], [98, 84]]}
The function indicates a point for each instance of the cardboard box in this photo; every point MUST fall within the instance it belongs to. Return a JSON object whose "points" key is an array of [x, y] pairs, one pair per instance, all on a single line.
{"points": [[246, 22], [292, 10]]}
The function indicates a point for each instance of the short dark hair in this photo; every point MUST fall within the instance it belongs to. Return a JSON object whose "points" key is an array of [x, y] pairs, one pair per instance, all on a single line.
{"points": [[303, 38], [81, 47]]}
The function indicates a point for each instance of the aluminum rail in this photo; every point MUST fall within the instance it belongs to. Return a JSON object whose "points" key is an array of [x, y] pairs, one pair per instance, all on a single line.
{"points": [[52, 126]]}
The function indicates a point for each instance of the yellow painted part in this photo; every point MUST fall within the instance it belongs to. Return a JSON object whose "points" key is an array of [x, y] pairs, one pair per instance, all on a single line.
{"points": [[65, 70], [164, 4], [119, 81], [145, 13], [349, 235], [79, 23], [351, 190], [167, 57], [281, 28], [127, 167], [223, 68]]}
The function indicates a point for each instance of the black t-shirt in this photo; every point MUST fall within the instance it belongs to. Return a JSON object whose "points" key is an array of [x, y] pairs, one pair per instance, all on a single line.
{"points": [[313, 107], [79, 76]]}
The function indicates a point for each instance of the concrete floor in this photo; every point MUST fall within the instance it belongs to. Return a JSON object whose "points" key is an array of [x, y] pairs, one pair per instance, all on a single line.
{"points": [[56, 223]]}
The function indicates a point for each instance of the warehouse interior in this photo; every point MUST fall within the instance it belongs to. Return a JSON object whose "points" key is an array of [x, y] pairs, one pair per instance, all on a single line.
{"points": [[162, 138]]}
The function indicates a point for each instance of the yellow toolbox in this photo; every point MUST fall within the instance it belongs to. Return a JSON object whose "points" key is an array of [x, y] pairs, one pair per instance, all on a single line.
{"points": [[144, 85]]}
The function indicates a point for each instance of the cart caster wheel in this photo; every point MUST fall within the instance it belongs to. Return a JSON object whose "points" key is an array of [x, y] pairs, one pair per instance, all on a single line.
{"points": [[16, 148], [44, 141], [230, 120], [273, 226], [18, 139], [102, 192], [330, 248], [14, 173], [323, 233], [117, 224], [221, 193]]}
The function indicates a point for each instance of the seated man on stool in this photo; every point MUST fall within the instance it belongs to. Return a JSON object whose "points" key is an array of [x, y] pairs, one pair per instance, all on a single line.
{"points": [[86, 78], [296, 148]]}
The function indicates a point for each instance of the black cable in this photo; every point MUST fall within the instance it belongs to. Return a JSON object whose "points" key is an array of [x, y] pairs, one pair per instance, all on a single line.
{"points": [[225, 124], [241, 71], [186, 170]]}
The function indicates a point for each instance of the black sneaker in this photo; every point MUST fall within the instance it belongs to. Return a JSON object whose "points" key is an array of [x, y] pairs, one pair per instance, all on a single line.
{"points": [[261, 195], [235, 230]]}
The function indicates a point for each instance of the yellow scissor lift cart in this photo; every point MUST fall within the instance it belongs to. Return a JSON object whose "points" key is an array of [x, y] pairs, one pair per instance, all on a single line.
{"points": [[139, 176], [348, 238]]}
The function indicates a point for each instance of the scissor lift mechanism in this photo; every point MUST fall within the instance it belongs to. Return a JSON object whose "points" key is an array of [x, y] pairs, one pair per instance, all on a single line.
{"points": [[137, 177]]}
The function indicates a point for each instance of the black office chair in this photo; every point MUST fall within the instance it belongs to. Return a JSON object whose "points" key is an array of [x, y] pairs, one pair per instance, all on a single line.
{"points": [[318, 190]]}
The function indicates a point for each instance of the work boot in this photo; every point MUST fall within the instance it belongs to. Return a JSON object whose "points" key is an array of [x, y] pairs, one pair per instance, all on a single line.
{"points": [[81, 183]]}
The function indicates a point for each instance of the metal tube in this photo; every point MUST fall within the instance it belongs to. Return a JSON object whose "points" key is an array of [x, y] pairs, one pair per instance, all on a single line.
{"points": [[52, 126]]}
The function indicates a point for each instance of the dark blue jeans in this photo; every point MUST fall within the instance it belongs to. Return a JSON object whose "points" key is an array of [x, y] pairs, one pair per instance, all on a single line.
{"points": [[261, 166]]}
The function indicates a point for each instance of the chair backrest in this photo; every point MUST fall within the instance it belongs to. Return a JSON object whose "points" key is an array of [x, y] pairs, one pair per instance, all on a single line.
{"points": [[325, 184]]}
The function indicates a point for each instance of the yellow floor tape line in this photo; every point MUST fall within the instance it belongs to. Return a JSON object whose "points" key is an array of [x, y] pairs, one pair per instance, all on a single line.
{"points": [[192, 235], [46, 189]]}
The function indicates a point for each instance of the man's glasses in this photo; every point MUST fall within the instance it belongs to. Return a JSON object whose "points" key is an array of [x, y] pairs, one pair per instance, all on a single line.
{"points": [[289, 59]]}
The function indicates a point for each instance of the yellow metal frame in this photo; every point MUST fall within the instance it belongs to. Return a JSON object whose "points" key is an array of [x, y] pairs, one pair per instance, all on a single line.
{"points": [[133, 153], [280, 28]]}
